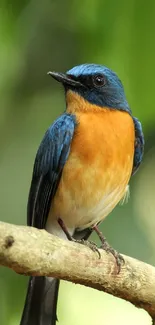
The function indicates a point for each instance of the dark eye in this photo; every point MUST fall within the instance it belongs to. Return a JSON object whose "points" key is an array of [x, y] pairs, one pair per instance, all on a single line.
{"points": [[99, 80]]}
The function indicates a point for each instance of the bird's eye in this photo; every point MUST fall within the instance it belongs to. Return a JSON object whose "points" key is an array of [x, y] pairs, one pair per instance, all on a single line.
{"points": [[98, 80]]}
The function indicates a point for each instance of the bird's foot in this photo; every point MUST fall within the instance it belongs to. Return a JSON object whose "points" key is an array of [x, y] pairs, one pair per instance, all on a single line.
{"points": [[87, 243], [105, 245], [118, 257]]}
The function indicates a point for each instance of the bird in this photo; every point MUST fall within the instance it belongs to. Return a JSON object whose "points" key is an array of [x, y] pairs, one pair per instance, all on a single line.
{"points": [[81, 170]]}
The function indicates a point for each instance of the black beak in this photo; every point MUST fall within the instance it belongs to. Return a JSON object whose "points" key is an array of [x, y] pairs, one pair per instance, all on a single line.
{"points": [[65, 79]]}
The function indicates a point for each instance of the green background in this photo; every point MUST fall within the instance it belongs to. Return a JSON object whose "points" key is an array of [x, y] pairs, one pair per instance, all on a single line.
{"points": [[38, 36]]}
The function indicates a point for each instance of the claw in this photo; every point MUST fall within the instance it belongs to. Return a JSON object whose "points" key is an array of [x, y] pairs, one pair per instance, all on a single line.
{"points": [[89, 244], [118, 257]]}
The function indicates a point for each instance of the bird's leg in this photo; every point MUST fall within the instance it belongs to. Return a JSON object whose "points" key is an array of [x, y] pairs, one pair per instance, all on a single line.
{"points": [[65, 230], [87, 243], [118, 257]]}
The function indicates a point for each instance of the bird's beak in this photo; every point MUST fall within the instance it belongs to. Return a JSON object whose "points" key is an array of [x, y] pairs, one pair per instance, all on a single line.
{"points": [[65, 79]]}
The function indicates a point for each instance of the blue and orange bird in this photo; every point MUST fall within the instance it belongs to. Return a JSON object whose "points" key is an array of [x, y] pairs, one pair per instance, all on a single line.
{"points": [[81, 171]]}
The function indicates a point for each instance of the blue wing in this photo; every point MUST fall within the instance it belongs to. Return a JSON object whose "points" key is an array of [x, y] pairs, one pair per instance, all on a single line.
{"points": [[139, 145], [50, 160]]}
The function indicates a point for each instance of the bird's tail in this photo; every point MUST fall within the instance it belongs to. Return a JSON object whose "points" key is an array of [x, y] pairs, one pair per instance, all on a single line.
{"points": [[41, 302]]}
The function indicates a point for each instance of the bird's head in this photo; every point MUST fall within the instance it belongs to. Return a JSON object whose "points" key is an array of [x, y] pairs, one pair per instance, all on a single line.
{"points": [[96, 84]]}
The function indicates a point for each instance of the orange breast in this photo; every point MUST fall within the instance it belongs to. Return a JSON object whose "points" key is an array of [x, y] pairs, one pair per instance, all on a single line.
{"points": [[98, 169]]}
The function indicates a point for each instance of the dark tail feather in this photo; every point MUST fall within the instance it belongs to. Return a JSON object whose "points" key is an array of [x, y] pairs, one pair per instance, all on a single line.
{"points": [[41, 302]]}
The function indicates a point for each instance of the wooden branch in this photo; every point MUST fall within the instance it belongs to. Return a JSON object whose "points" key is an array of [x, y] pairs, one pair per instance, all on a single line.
{"points": [[30, 251]]}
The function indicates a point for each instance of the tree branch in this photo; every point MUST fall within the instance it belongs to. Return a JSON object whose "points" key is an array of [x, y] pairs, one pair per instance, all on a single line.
{"points": [[30, 251]]}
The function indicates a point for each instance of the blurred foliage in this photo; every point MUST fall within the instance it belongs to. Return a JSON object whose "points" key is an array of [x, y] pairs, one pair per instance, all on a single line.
{"points": [[39, 36]]}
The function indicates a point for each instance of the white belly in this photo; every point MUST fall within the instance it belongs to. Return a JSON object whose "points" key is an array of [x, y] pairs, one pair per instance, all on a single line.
{"points": [[102, 209], [80, 218]]}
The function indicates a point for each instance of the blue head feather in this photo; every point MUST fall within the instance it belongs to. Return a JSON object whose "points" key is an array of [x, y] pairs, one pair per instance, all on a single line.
{"points": [[111, 94]]}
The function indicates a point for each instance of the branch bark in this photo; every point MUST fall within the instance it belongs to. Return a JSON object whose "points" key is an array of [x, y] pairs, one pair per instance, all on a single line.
{"points": [[30, 251]]}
